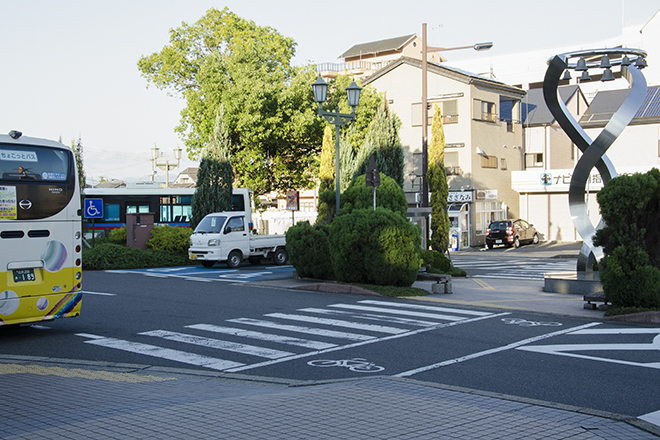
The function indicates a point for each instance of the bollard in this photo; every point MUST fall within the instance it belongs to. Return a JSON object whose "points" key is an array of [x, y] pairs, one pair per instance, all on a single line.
{"points": [[443, 285]]}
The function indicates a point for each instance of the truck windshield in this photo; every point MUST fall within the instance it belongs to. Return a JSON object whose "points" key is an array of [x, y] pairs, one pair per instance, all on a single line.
{"points": [[211, 224]]}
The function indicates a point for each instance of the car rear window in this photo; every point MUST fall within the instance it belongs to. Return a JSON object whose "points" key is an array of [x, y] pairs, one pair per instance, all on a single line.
{"points": [[499, 225]]}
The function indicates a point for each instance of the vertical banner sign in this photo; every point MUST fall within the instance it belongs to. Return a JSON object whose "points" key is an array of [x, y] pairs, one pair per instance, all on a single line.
{"points": [[292, 203]]}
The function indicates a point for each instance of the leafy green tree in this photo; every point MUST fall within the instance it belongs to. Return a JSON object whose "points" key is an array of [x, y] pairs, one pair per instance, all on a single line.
{"points": [[438, 186], [630, 207], [382, 140], [270, 116], [214, 177]]}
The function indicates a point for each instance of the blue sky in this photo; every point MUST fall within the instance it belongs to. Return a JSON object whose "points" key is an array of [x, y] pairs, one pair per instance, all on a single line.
{"points": [[69, 67]]}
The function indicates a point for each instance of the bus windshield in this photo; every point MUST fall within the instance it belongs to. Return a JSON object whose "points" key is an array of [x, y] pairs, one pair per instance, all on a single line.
{"points": [[210, 224], [28, 163]]}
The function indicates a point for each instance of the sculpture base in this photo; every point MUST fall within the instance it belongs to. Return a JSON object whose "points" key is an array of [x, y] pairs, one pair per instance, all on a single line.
{"points": [[572, 282]]}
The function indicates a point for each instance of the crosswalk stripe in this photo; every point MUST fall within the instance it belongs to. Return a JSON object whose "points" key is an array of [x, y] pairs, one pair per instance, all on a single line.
{"points": [[338, 323], [391, 319], [219, 344], [163, 353], [400, 312], [422, 307], [317, 345], [299, 329]]}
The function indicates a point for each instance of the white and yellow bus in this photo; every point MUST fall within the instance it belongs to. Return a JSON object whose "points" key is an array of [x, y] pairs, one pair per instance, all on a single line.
{"points": [[40, 231]]}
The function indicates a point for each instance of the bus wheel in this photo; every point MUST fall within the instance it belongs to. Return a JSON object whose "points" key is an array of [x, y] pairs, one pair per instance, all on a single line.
{"points": [[281, 257], [234, 259], [208, 263]]}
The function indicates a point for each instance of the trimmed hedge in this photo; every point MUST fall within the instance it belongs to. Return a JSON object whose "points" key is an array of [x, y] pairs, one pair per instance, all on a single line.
{"points": [[170, 238], [105, 256], [309, 250], [375, 247]]}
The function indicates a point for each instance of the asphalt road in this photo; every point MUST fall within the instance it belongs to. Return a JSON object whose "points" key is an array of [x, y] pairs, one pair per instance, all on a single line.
{"points": [[220, 324]]}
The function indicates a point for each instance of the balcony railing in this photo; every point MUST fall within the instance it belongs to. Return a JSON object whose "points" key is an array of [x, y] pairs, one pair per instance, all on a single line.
{"points": [[352, 66]]}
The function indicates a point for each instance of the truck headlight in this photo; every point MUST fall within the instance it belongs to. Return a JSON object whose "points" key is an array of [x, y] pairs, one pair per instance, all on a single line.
{"points": [[213, 242]]}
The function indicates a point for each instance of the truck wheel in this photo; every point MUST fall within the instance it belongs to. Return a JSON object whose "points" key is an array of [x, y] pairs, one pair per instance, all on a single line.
{"points": [[208, 263], [234, 259], [281, 257]]}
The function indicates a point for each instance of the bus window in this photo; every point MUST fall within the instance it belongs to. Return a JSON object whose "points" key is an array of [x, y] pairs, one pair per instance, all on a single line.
{"points": [[111, 212], [137, 209]]}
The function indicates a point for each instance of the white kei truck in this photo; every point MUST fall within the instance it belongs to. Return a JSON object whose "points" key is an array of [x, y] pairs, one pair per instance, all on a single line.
{"points": [[228, 236]]}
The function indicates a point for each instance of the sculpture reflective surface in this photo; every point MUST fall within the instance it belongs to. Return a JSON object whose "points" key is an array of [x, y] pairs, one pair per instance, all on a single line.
{"points": [[593, 151]]}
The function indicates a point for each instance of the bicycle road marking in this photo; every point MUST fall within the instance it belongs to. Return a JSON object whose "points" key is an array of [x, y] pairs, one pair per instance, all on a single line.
{"points": [[493, 350], [358, 365]]}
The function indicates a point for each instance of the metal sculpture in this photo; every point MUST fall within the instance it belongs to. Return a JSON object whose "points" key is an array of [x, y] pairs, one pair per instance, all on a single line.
{"points": [[631, 61]]}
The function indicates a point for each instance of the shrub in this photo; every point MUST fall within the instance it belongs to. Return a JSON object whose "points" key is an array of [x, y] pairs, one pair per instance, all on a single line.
{"points": [[389, 195], [309, 251], [170, 239], [436, 260], [375, 247], [118, 236], [630, 206], [107, 256]]}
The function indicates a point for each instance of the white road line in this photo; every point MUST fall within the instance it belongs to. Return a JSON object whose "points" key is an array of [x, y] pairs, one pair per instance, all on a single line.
{"points": [[506, 277], [391, 319], [298, 329], [159, 352], [218, 344], [493, 350], [359, 344], [653, 417], [338, 323], [422, 307], [87, 292], [316, 345], [400, 312]]}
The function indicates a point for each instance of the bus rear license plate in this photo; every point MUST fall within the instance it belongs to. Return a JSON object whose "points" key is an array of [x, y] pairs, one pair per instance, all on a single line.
{"points": [[23, 275], [193, 256]]}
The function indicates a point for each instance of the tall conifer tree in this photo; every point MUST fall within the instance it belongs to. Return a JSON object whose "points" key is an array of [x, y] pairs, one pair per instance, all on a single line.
{"points": [[438, 186], [215, 175]]}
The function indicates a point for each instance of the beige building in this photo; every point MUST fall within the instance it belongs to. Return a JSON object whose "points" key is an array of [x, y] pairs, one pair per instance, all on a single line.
{"points": [[483, 134]]}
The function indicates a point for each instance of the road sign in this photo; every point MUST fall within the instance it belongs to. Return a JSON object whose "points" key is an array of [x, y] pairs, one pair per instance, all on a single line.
{"points": [[93, 208]]}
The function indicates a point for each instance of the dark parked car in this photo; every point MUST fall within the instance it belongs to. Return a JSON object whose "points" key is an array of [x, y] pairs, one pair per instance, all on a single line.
{"points": [[511, 233]]}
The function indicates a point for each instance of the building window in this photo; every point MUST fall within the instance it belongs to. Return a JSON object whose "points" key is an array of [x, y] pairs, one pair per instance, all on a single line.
{"points": [[487, 212], [451, 163], [503, 164], [484, 111], [488, 162], [533, 160], [449, 112]]}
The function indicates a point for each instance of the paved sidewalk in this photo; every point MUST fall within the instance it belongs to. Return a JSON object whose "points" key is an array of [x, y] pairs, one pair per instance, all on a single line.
{"points": [[49, 402]]}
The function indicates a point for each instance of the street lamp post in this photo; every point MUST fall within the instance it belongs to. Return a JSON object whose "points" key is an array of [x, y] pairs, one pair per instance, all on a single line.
{"points": [[335, 118], [166, 166], [425, 110]]}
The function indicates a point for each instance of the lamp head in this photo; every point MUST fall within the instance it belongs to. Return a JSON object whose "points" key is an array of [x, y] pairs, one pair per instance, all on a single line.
{"points": [[479, 47], [177, 153], [154, 152], [320, 88], [353, 93]]}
